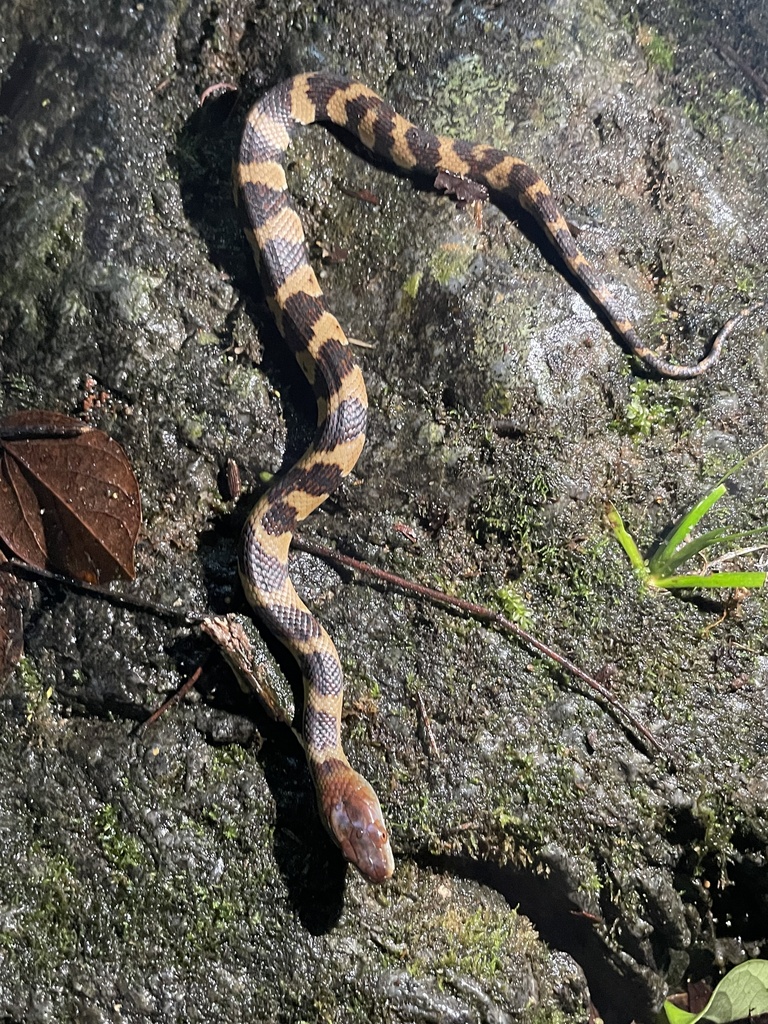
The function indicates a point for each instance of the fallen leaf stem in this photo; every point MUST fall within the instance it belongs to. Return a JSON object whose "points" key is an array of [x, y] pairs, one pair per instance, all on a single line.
{"points": [[483, 614]]}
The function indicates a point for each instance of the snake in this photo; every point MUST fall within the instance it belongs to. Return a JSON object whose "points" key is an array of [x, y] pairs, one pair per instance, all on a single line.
{"points": [[347, 803]]}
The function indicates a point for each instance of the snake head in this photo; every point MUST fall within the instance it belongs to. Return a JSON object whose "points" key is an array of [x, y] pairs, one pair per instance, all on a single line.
{"points": [[356, 823]]}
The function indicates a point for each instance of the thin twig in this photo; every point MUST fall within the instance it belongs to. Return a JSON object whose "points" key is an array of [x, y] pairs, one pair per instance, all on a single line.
{"points": [[24, 570], [483, 614], [757, 81], [427, 725], [476, 611], [174, 699]]}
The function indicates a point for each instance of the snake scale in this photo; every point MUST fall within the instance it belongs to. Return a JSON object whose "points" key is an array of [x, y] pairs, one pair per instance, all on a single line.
{"points": [[347, 803]]}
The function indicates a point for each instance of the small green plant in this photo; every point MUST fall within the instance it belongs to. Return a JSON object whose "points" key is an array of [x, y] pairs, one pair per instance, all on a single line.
{"points": [[660, 570], [741, 995], [643, 414], [514, 606], [658, 51], [121, 850]]}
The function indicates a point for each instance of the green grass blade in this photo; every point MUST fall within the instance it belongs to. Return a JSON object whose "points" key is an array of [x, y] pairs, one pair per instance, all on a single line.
{"points": [[750, 580], [742, 462], [661, 561], [631, 549], [687, 551], [706, 540]]}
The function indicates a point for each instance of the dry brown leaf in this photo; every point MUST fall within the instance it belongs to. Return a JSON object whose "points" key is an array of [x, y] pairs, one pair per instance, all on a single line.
{"points": [[69, 500]]}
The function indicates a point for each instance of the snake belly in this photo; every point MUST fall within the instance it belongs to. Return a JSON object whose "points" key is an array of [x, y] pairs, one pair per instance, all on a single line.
{"points": [[348, 805]]}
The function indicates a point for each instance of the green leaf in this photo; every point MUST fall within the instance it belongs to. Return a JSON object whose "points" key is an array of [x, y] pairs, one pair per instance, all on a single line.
{"points": [[677, 1016], [742, 994]]}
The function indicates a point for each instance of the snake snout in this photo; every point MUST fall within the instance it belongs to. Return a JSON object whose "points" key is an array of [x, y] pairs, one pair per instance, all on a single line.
{"points": [[357, 825]]}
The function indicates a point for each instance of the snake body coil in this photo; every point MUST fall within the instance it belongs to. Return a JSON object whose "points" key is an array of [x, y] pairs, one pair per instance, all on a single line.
{"points": [[348, 805]]}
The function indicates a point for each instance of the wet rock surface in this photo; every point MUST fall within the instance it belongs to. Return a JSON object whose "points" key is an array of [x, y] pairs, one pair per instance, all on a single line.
{"points": [[546, 856]]}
